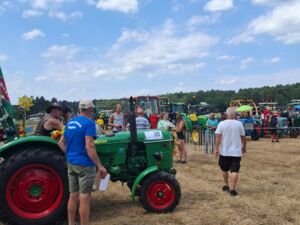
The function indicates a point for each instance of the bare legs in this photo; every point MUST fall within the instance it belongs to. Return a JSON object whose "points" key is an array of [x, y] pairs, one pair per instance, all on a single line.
{"points": [[182, 151], [230, 179], [72, 207], [84, 208]]}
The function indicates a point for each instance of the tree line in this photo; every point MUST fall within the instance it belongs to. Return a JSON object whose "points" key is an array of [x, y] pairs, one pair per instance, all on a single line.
{"points": [[218, 99]]}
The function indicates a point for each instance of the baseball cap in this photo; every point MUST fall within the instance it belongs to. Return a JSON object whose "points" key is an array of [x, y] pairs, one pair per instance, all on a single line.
{"points": [[85, 104]]}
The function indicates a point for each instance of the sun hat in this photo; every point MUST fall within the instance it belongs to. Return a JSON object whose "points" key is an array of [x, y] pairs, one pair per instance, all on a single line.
{"points": [[85, 104], [54, 105]]}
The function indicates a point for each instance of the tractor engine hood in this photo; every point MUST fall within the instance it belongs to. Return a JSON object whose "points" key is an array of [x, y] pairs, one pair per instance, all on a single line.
{"points": [[142, 136]]}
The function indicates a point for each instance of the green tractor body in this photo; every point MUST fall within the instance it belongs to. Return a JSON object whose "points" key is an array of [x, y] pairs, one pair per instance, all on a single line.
{"points": [[34, 181], [154, 151]]}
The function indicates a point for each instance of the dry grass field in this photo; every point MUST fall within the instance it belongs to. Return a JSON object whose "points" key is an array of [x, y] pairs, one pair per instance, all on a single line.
{"points": [[269, 192]]}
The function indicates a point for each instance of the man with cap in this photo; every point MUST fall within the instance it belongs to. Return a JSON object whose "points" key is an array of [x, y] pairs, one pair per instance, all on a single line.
{"points": [[78, 144], [51, 121]]}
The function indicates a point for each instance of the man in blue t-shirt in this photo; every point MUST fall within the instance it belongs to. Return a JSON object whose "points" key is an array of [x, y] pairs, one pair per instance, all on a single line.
{"points": [[78, 144]]}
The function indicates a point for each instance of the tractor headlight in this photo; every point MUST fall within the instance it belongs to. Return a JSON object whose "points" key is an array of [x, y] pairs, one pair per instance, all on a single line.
{"points": [[158, 156]]}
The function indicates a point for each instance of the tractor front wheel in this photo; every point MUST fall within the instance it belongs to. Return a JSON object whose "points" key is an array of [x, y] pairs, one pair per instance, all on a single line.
{"points": [[34, 187], [160, 193]]}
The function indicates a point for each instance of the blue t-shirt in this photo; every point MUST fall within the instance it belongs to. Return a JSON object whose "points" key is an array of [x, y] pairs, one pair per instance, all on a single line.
{"points": [[75, 132], [211, 123]]}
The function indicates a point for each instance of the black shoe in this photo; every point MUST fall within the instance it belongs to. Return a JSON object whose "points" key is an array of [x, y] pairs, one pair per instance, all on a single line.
{"points": [[183, 162], [178, 161], [225, 188], [233, 193], [277, 141]]}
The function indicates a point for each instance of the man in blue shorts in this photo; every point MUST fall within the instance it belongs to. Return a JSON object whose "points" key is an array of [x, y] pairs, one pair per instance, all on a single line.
{"points": [[78, 144], [230, 134]]}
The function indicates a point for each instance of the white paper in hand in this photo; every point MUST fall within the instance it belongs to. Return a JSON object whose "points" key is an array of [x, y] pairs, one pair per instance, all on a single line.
{"points": [[104, 183]]}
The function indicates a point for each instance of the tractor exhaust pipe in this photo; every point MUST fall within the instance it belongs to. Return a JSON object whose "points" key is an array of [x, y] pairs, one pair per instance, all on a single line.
{"points": [[132, 127]]}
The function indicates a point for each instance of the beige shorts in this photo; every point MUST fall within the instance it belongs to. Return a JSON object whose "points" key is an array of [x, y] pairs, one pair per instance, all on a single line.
{"points": [[81, 178]]}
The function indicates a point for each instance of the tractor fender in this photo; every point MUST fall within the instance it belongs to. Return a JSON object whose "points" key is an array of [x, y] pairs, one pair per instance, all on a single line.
{"points": [[140, 177], [27, 142]]}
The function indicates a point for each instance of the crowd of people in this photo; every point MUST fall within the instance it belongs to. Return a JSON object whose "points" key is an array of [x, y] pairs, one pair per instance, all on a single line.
{"points": [[225, 136]]}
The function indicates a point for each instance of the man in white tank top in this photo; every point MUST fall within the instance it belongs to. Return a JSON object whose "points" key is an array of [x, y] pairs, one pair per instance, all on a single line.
{"points": [[230, 135]]}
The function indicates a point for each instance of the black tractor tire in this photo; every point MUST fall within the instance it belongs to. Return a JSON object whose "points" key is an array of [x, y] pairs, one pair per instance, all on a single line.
{"points": [[160, 193], [294, 133], [255, 135], [39, 174]]}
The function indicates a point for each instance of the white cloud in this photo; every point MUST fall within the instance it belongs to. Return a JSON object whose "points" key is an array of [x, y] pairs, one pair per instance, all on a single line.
{"points": [[258, 79], [61, 52], [3, 57], [65, 35], [40, 78], [46, 4], [218, 5], [162, 50], [31, 13], [227, 81], [101, 73], [31, 35], [65, 16], [198, 20], [246, 62], [266, 2], [244, 37], [166, 50], [226, 57], [5, 5], [91, 2], [282, 23], [272, 61], [125, 6]]}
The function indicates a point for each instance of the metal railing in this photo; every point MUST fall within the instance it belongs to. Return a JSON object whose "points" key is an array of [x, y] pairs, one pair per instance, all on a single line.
{"points": [[205, 141]]}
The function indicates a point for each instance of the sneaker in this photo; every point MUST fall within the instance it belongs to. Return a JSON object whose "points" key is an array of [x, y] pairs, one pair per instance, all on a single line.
{"points": [[225, 188], [233, 193]]}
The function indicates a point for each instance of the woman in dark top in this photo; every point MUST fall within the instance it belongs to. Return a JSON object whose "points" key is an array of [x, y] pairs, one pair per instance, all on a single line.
{"points": [[273, 124], [51, 120], [180, 129]]}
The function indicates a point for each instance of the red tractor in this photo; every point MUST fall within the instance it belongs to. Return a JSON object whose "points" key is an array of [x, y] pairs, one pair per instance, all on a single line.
{"points": [[150, 105]]}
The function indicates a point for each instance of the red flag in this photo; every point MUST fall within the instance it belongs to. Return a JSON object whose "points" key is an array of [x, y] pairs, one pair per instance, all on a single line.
{"points": [[3, 89]]}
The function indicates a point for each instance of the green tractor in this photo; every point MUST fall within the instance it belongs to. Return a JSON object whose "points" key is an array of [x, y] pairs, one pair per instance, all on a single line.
{"points": [[33, 171]]}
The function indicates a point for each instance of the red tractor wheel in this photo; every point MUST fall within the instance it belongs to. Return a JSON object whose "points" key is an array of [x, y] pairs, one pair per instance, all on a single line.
{"points": [[34, 188], [160, 193]]}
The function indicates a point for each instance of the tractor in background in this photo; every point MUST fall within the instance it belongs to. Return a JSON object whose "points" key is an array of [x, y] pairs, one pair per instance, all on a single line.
{"points": [[150, 105], [33, 170], [250, 118]]}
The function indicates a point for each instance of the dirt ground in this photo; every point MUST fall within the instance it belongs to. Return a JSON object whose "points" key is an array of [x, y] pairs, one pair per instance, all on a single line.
{"points": [[268, 191]]}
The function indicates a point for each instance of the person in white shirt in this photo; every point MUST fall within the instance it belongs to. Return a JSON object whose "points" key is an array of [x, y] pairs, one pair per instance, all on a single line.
{"points": [[230, 135]]}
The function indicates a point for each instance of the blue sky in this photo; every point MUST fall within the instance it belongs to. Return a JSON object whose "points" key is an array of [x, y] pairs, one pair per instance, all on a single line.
{"points": [[74, 49]]}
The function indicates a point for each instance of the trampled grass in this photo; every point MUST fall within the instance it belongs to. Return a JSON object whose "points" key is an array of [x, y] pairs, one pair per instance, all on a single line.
{"points": [[268, 192]]}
